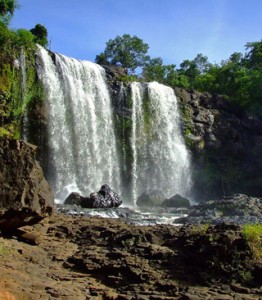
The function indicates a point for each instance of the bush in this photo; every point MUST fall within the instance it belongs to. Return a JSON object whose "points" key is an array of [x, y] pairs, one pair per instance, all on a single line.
{"points": [[253, 235]]}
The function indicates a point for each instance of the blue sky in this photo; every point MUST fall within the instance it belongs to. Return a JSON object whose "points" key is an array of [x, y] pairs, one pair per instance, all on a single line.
{"points": [[174, 29]]}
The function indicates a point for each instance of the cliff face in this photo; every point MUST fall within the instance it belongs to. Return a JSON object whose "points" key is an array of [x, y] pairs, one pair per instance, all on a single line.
{"points": [[25, 195], [225, 146]]}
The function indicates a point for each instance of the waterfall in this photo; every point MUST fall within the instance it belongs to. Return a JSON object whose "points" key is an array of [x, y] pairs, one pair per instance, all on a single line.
{"points": [[80, 127], [83, 152], [160, 159]]}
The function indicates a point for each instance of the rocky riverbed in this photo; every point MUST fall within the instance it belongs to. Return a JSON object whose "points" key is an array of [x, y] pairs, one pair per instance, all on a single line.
{"points": [[80, 257]]}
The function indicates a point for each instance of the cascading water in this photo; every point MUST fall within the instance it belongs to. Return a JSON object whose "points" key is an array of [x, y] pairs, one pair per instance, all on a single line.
{"points": [[81, 132], [160, 159], [83, 149]]}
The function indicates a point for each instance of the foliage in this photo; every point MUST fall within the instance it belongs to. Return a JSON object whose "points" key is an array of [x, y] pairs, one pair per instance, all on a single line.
{"points": [[16, 47], [239, 78], [154, 70], [7, 8], [253, 235], [126, 51], [24, 38], [40, 33]]}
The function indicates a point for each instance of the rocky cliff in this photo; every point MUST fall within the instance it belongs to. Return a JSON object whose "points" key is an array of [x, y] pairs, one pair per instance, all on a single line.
{"points": [[225, 145], [25, 195]]}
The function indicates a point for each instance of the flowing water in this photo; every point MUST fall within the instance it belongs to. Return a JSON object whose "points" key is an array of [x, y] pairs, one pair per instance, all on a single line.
{"points": [[161, 161], [81, 131], [83, 145]]}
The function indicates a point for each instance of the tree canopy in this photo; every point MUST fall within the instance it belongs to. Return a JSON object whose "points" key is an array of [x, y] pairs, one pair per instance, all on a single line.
{"points": [[125, 51], [40, 33], [7, 8], [239, 77]]}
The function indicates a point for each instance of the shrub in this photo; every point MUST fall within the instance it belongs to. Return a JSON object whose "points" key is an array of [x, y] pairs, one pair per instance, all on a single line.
{"points": [[253, 235]]}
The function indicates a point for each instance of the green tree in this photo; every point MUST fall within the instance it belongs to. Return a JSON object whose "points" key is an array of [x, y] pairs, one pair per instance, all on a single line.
{"points": [[253, 57], [40, 33], [125, 51], [7, 8], [194, 68], [154, 70]]}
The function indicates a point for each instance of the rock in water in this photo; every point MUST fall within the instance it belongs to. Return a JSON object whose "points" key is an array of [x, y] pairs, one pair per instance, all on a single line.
{"points": [[25, 195], [176, 201], [150, 198], [105, 198]]}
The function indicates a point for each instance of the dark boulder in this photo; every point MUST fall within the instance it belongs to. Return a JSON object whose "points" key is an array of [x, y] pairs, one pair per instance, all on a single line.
{"points": [[150, 198], [105, 198], [25, 195], [75, 199], [176, 201]]}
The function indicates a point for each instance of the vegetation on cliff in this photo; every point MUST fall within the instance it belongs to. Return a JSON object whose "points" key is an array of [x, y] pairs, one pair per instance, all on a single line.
{"points": [[18, 80], [239, 78]]}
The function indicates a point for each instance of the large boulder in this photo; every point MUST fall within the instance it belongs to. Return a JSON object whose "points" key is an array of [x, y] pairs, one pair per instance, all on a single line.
{"points": [[105, 198], [25, 195], [176, 201], [150, 198]]}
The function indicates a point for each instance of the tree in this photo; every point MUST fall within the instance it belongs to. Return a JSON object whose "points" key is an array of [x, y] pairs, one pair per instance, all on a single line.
{"points": [[126, 51], [40, 33], [192, 69], [7, 8], [154, 70], [253, 57]]}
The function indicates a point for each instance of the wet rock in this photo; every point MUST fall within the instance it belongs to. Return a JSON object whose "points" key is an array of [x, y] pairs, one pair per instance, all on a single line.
{"points": [[238, 209], [176, 201], [25, 195], [104, 198], [150, 198], [76, 199]]}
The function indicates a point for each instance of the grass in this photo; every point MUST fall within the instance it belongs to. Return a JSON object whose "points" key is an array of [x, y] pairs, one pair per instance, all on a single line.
{"points": [[4, 250], [199, 229], [253, 235]]}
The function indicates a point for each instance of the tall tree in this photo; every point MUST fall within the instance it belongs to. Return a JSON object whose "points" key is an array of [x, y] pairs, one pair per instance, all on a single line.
{"points": [[126, 51], [40, 33], [253, 57]]}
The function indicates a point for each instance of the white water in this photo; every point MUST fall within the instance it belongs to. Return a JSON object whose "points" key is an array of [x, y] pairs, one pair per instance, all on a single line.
{"points": [[81, 135], [82, 142], [160, 159]]}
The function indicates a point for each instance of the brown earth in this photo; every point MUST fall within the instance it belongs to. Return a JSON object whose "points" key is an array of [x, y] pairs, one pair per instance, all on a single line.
{"points": [[74, 257]]}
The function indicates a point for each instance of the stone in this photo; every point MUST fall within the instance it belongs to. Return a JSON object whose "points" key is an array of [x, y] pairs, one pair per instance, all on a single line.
{"points": [[150, 198], [25, 195], [104, 198], [176, 201], [97, 258], [75, 199], [238, 209]]}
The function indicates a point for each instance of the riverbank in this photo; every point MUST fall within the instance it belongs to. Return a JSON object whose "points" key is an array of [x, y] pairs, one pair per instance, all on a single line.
{"points": [[78, 257]]}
